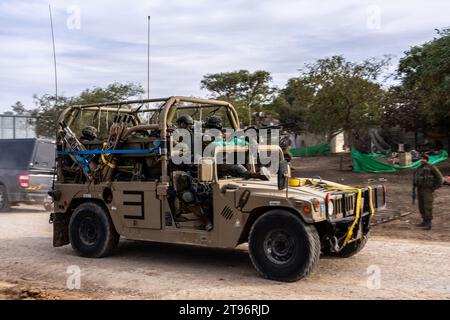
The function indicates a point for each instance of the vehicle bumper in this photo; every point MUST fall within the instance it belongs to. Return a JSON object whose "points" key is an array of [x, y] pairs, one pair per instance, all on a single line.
{"points": [[30, 197]]}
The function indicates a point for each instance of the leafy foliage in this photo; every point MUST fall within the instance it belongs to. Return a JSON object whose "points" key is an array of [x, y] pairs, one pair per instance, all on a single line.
{"points": [[242, 88], [425, 71], [48, 112], [334, 95]]}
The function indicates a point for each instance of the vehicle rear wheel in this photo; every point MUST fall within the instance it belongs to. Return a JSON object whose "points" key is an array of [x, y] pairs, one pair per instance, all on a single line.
{"points": [[282, 247], [4, 203], [91, 231], [349, 250]]}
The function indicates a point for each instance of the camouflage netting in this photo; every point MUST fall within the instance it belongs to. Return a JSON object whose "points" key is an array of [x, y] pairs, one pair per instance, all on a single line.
{"points": [[322, 149], [367, 162]]}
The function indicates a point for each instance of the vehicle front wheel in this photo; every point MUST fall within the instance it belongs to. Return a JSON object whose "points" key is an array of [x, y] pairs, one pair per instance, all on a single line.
{"points": [[91, 231], [4, 203], [282, 247]]}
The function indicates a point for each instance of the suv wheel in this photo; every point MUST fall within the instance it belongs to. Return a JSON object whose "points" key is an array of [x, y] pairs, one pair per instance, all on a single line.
{"points": [[91, 231], [282, 247], [4, 203]]}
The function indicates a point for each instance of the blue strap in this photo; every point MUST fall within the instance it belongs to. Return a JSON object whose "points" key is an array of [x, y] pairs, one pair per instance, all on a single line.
{"points": [[84, 162], [98, 151]]}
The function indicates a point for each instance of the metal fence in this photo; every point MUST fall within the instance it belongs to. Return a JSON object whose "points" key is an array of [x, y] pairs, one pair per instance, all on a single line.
{"points": [[17, 127]]}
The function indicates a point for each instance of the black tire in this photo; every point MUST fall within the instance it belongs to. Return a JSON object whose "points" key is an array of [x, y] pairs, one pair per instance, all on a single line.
{"points": [[349, 250], [91, 231], [4, 202], [282, 247]]}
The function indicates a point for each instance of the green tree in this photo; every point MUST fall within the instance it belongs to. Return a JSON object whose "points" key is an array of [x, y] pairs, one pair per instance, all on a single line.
{"points": [[48, 111], [19, 109], [335, 95], [292, 105], [425, 71], [113, 92], [401, 108], [246, 90]]}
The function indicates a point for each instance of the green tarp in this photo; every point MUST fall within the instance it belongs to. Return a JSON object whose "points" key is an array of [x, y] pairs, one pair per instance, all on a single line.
{"points": [[322, 149], [367, 163]]}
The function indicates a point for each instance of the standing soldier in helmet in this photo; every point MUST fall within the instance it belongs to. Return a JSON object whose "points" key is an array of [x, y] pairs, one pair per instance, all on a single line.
{"points": [[427, 178]]}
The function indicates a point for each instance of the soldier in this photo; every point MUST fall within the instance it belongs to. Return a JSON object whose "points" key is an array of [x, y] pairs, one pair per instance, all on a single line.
{"points": [[184, 122], [234, 170], [88, 134], [427, 178]]}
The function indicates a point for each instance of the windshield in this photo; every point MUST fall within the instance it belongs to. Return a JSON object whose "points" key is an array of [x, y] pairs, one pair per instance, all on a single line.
{"points": [[44, 158], [19, 153], [200, 113]]}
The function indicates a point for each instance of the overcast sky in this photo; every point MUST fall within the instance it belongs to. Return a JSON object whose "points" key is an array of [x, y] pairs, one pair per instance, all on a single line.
{"points": [[102, 41]]}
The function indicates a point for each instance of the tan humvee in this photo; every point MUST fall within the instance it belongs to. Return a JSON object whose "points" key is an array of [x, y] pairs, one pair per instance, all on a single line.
{"points": [[119, 182]]}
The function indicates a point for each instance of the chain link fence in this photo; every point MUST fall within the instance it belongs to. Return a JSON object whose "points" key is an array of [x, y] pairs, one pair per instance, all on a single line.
{"points": [[17, 127]]}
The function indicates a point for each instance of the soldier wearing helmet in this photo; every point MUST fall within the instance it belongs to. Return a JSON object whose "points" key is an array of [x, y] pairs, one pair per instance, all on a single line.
{"points": [[235, 170], [88, 134], [184, 122], [214, 122]]}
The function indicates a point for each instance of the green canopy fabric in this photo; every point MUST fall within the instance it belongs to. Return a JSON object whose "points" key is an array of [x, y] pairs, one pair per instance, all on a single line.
{"points": [[322, 149], [367, 163]]}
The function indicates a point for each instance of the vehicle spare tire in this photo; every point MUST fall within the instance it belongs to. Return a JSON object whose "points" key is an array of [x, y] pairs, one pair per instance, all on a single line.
{"points": [[282, 247], [91, 231]]}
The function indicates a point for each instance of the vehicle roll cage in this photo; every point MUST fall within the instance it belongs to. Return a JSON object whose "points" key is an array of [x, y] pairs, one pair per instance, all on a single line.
{"points": [[166, 111]]}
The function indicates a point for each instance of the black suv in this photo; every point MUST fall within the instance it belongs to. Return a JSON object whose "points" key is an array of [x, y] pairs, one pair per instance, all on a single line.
{"points": [[26, 171]]}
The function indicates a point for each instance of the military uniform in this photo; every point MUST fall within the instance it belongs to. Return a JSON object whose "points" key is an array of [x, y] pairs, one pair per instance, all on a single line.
{"points": [[427, 179]]}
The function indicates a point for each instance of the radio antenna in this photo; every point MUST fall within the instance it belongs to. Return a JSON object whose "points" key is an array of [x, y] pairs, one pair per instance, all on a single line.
{"points": [[54, 54], [148, 57], [56, 89]]}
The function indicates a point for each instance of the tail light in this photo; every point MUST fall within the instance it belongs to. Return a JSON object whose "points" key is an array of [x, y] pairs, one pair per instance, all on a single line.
{"points": [[24, 181]]}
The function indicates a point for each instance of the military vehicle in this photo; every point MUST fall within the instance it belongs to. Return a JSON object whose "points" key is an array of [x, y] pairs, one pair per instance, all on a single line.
{"points": [[117, 178]]}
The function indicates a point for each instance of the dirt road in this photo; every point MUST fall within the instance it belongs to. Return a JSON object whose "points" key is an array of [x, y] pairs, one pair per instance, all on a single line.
{"points": [[386, 268]]}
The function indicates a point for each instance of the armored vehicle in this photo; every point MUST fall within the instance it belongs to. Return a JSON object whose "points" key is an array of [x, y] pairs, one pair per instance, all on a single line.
{"points": [[118, 175]]}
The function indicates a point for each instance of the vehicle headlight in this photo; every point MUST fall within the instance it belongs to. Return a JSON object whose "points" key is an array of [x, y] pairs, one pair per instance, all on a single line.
{"points": [[330, 208]]}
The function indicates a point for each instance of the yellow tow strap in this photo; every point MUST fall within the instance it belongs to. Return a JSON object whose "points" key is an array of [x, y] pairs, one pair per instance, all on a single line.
{"points": [[349, 234], [104, 160]]}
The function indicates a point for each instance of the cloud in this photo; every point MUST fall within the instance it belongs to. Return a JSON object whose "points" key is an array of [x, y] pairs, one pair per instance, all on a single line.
{"points": [[192, 38]]}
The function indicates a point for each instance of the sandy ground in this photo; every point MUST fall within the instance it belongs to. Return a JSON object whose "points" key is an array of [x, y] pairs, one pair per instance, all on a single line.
{"points": [[399, 261]]}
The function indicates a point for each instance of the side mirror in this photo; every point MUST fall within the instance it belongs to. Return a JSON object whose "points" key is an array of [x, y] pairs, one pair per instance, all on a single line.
{"points": [[283, 175], [206, 170]]}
